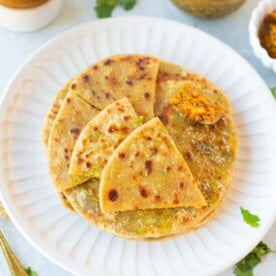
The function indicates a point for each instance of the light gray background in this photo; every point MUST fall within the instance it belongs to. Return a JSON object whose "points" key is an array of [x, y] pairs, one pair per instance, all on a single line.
{"points": [[16, 47]]}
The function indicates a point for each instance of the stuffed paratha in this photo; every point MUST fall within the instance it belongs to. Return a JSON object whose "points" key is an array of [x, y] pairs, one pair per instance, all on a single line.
{"points": [[100, 138], [140, 224], [208, 149], [131, 76], [73, 115], [146, 171]]}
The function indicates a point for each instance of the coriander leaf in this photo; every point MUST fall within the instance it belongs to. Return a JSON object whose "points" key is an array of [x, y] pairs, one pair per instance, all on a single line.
{"points": [[249, 218], [127, 4], [245, 266], [104, 8], [239, 272], [262, 249], [104, 11], [273, 91], [30, 272]]}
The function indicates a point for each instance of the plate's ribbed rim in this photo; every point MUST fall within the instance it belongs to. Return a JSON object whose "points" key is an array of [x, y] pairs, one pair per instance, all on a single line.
{"points": [[267, 100]]}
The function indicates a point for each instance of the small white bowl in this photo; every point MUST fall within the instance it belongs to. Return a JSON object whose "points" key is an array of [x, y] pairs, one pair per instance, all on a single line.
{"points": [[31, 19], [257, 17]]}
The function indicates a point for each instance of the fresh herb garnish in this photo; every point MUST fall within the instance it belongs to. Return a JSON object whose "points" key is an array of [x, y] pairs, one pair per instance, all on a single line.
{"points": [[127, 4], [250, 218], [104, 8], [138, 120], [30, 272], [245, 266], [273, 91]]}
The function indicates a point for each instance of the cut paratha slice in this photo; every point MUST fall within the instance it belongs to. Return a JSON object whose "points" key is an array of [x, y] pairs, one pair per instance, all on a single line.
{"points": [[100, 138], [47, 127], [146, 171], [72, 117], [209, 150], [131, 76], [52, 113]]}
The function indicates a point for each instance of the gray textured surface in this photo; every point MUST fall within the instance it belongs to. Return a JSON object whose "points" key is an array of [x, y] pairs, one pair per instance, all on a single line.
{"points": [[16, 47]]}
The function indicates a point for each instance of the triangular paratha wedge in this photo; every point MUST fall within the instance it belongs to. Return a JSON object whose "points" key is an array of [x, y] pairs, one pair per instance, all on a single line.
{"points": [[100, 138], [72, 117], [52, 113], [47, 127], [131, 76], [147, 171]]}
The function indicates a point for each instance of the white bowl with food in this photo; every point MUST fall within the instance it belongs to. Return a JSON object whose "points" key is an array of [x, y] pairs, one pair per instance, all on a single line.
{"points": [[264, 8]]}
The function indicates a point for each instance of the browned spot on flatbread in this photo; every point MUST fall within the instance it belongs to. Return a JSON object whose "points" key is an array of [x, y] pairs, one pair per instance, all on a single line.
{"points": [[122, 155], [188, 156], [75, 132], [175, 198], [108, 61], [85, 77], [147, 95], [148, 166], [113, 195], [157, 197], [112, 128], [143, 193]]}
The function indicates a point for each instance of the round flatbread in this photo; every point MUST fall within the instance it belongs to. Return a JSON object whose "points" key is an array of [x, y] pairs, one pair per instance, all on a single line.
{"points": [[208, 149]]}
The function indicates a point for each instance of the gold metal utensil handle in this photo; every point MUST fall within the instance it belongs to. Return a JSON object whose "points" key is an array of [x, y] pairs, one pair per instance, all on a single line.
{"points": [[14, 265]]}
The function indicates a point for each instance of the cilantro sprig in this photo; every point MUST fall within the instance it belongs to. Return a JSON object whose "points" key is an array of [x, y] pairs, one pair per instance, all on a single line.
{"points": [[246, 266], [249, 218], [104, 8], [127, 4], [273, 91], [30, 272]]}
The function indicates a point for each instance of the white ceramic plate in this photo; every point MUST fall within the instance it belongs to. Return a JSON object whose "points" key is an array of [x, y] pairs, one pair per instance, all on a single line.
{"points": [[82, 249]]}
